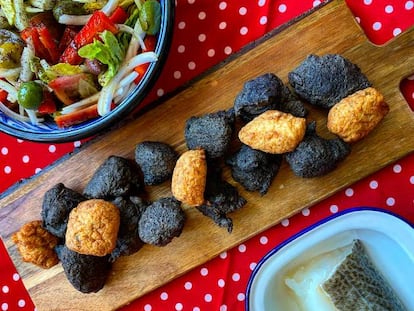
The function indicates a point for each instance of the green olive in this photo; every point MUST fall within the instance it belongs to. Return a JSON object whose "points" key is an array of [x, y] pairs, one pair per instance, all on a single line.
{"points": [[30, 95]]}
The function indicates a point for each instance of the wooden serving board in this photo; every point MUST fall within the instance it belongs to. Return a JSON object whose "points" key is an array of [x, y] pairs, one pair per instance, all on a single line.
{"points": [[331, 29]]}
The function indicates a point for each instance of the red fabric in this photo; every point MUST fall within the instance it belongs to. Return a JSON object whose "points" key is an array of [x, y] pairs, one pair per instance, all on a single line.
{"points": [[206, 32]]}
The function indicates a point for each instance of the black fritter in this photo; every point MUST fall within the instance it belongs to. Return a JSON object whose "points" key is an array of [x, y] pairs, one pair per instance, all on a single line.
{"points": [[258, 95], [221, 198], [254, 169], [325, 80], [317, 156], [291, 104], [115, 177], [211, 132], [161, 221], [128, 241], [58, 201], [156, 160], [86, 273]]}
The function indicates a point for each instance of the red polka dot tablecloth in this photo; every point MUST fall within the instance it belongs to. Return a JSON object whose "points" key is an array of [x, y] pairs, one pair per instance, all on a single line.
{"points": [[206, 33]]}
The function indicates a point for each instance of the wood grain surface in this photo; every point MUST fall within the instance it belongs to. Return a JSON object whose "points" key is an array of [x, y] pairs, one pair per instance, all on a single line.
{"points": [[330, 29]]}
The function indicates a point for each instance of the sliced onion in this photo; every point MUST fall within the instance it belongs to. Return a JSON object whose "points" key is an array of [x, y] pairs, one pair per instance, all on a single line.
{"points": [[11, 114], [110, 6], [10, 89], [27, 55], [78, 20], [10, 73], [33, 117], [81, 104]]}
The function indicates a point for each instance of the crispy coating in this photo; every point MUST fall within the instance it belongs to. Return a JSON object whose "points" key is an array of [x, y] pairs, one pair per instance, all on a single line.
{"points": [[257, 96], [255, 170], [93, 227], [273, 132], [36, 245], [156, 160], [57, 204], [316, 156], [189, 177], [115, 177], [86, 273], [128, 241], [355, 116], [161, 221], [325, 80], [211, 132], [221, 198]]}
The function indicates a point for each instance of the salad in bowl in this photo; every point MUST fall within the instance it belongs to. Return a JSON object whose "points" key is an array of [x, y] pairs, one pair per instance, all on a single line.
{"points": [[69, 69]]}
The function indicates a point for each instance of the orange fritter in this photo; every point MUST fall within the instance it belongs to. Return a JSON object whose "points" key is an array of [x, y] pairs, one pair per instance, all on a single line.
{"points": [[36, 245]]}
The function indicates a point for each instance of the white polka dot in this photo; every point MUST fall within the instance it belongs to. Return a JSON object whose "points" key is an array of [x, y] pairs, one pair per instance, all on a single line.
{"points": [[160, 92], [202, 37], [191, 1], [26, 159], [164, 296], [390, 201], [285, 222], [52, 148], [263, 20], [377, 26], [263, 240], [235, 277], [221, 283], [177, 75], [196, 309], [7, 169], [261, 3], [204, 271], [4, 150], [4, 306], [349, 192], [147, 307], [242, 248], [412, 180], [16, 277], [208, 298], [202, 15], [222, 5], [5, 289], [358, 19], [244, 30], [242, 11], [240, 296], [306, 212], [316, 3], [20, 141], [252, 266], [21, 303], [228, 50], [191, 65], [211, 52], [223, 308], [397, 168], [181, 25], [181, 49], [396, 32], [188, 285], [282, 8], [367, 2], [222, 25], [223, 255], [409, 5], [179, 306], [389, 9], [373, 184], [333, 208]]}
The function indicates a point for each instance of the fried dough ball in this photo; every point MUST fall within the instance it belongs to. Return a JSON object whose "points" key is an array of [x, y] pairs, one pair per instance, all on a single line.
{"points": [[324, 80], [273, 132], [156, 160], [316, 156], [93, 228], [355, 116], [57, 204], [211, 132], [115, 177], [254, 169], [86, 273], [161, 221], [36, 245], [189, 177]]}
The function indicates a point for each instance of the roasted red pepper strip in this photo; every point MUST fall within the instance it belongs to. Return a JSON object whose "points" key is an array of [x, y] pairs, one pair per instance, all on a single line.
{"points": [[49, 43], [68, 34], [76, 117], [48, 104], [3, 96], [32, 34], [119, 16], [95, 25]]}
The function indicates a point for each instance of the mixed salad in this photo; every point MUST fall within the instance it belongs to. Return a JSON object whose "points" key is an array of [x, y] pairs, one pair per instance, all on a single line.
{"points": [[73, 60]]}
